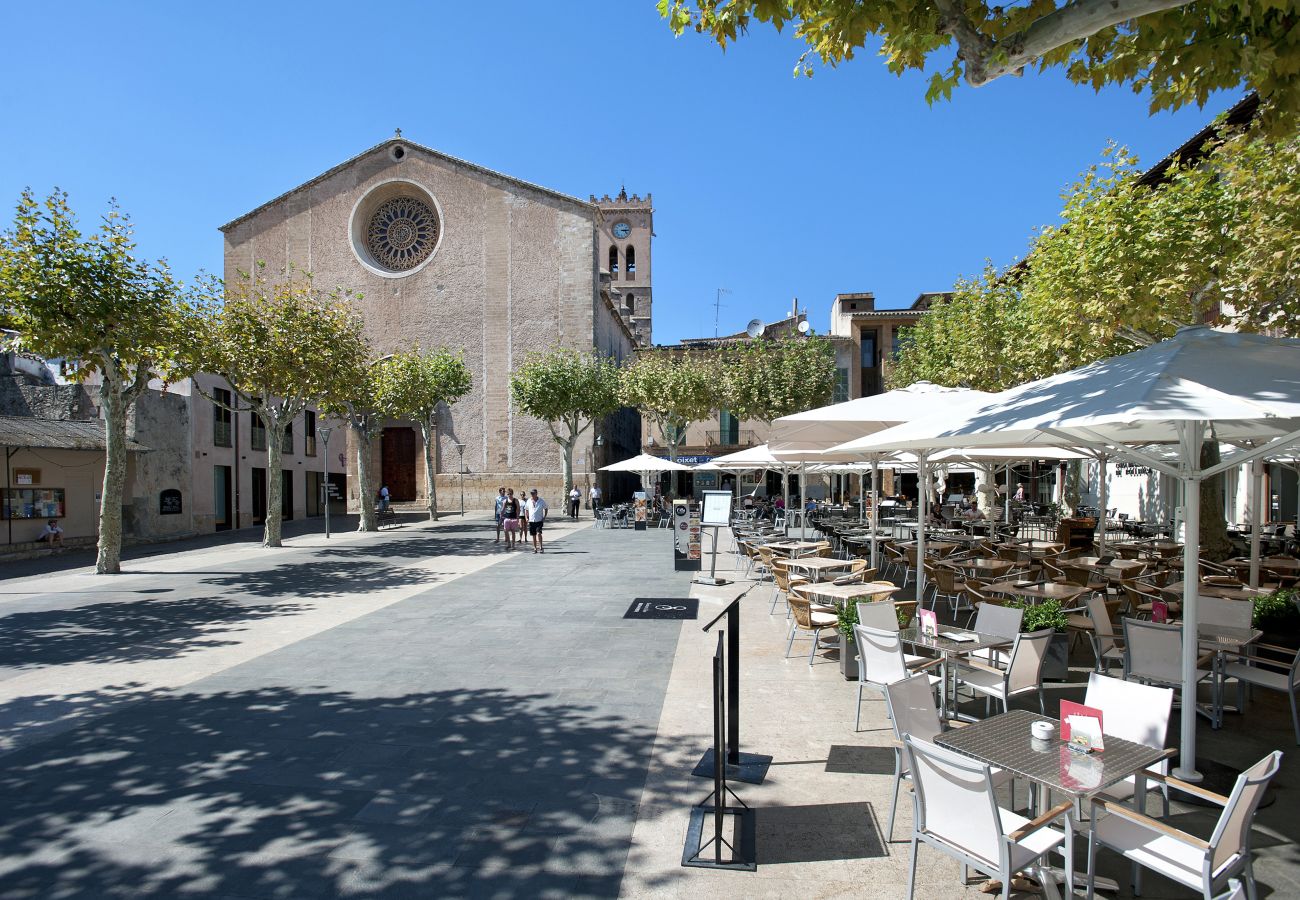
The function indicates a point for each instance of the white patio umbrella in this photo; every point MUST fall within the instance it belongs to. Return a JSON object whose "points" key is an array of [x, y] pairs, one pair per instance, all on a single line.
{"points": [[646, 466], [819, 430], [1243, 389]]}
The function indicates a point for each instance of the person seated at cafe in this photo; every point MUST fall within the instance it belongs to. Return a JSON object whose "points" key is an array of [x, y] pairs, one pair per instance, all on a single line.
{"points": [[52, 534], [972, 514]]}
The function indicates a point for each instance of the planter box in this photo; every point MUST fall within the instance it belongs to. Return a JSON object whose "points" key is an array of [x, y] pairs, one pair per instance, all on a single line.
{"points": [[1056, 667], [848, 659]]}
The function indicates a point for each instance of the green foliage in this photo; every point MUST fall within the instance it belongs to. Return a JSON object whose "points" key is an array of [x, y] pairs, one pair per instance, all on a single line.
{"points": [[1045, 614], [1127, 266], [411, 384], [766, 379], [565, 387], [88, 298], [672, 390], [1276, 613], [1178, 54]]}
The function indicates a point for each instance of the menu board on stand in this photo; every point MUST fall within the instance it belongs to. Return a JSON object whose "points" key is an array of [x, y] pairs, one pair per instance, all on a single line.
{"points": [[686, 538]]}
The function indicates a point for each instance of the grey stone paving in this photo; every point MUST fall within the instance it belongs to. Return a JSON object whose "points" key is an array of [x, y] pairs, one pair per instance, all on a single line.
{"points": [[486, 737]]}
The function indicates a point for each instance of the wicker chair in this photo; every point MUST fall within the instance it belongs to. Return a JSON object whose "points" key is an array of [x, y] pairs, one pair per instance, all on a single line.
{"points": [[949, 585], [807, 619], [782, 581]]}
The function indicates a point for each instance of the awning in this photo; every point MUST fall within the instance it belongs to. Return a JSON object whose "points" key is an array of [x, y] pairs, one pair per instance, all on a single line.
{"points": [[55, 434]]}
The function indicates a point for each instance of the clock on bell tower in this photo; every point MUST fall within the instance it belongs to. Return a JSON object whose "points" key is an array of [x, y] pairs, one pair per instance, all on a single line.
{"points": [[626, 232]]}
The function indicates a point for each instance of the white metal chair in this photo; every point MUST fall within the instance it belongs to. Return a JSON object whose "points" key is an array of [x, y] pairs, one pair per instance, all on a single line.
{"points": [[1201, 865], [1003, 621], [1153, 654], [1138, 713], [1270, 674], [912, 710], [882, 614], [881, 661], [1024, 671], [958, 814], [1105, 646]]}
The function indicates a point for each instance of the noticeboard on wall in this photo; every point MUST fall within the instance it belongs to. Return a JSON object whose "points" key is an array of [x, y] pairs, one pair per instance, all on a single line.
{"points": [[717, 508], [169, 502]]}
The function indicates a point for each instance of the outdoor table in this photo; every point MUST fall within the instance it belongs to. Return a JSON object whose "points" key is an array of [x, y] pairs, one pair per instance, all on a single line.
{"points": [[1120, 567], [841, 594], [817, 566], [1161, 546], [1223, 591], [1037, 590], [1005, 742], [941, 548], [982, 567], [948, 648], [793, 548]]}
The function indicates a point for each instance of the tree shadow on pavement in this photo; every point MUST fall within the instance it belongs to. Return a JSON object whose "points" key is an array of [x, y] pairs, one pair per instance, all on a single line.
{"points": [[128, 631], [323, 578], [307, 793]]}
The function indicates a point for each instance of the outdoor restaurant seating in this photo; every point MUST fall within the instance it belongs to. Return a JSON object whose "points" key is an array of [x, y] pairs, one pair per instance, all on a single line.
{"points": [[813, 621], [1024, 671], [912, 710], [1139, 713], [1282, 675], [1106, 647], [1153, 655], [881, 661], [958, 814], [1202, 865]]}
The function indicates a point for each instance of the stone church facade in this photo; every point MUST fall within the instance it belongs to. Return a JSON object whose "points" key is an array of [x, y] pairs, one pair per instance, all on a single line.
{"points": [[446, 253]]}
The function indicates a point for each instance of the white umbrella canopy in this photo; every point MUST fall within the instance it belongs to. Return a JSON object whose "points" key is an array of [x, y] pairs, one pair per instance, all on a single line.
{"points": [[759, 457], [646, 463], [1242, 389], [816, 430]]}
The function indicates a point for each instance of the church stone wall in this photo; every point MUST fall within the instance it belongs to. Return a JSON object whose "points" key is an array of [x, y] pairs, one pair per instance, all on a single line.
{"points": [[515, 270]]}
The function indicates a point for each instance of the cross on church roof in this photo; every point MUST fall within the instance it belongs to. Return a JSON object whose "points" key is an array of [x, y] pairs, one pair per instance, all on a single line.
{"points": [[397, 132]]}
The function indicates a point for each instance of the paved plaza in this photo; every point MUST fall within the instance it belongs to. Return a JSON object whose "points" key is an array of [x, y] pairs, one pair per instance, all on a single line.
{"points": [[416, 713]]}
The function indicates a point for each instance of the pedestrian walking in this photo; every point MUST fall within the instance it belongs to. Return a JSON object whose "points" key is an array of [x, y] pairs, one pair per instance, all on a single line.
{"points": [[595, 498], [500, 501], [575, 501], [383, 498], [510, 518], [537, 510]]}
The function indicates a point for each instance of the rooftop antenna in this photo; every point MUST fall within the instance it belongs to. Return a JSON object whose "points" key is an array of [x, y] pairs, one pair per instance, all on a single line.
{"points": [[717, 305]]}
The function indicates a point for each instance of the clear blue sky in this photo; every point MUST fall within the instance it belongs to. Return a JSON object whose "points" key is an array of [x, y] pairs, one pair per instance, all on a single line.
{"points": [[770, 186]]}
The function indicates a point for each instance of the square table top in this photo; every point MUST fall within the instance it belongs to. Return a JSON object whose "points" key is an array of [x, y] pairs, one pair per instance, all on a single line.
{"points": [[931, 545], [992, 566], [1222, 591], [793, 546], [844, 592], [818, 563], [1050, 590], [1005, 742], [950, 647], [1120, 566]]}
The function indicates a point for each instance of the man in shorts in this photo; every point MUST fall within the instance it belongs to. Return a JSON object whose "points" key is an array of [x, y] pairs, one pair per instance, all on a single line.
{"points": [[537, 510], [500, 502]]}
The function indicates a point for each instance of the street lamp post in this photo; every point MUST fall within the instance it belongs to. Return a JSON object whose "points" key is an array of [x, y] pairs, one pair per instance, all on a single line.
{"points": [[324, 433], [460, 454]]}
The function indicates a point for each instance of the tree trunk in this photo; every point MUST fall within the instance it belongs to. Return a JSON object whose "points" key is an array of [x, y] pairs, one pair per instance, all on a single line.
{"points": [[366, 487], [567, 447], [1073, 480], [1215, 545], [114, 406], [274, 483], [430, 473]]}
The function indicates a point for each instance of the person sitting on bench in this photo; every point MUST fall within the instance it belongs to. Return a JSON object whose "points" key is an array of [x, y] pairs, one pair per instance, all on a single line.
{"points": [[52, 533]]}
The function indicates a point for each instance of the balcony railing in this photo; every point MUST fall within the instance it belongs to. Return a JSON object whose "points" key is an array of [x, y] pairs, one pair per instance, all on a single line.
{"points": [[743, 437]]}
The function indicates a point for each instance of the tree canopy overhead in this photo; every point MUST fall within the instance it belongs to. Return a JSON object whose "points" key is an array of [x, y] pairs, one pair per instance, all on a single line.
{"points": [[1176, 51]]}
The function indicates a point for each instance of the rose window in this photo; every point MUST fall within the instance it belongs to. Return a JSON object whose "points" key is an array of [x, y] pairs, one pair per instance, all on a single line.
{"points": [[402, 233]]}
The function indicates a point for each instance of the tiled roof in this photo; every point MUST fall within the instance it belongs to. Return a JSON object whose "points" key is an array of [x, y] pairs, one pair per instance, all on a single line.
{"points": [[55, 434]]}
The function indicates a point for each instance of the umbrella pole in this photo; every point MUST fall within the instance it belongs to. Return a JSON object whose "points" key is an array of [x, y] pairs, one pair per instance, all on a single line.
{"points": [[1191, 435], [923, 504], [1101, 513], [875, 510], [1256, 516], [803, 501], [785, 495], [1006, 496]]}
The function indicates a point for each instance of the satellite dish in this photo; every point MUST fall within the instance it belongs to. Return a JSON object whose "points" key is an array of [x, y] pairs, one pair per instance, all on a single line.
{"points": [[754, 328], [804, 327]]}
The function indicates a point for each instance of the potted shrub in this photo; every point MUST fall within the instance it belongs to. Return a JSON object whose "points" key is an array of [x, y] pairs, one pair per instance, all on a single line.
{"points": [[1277, 615], [1048, 614]]}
